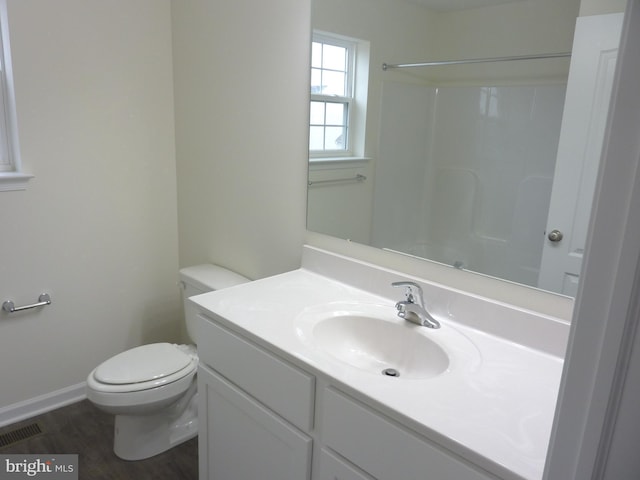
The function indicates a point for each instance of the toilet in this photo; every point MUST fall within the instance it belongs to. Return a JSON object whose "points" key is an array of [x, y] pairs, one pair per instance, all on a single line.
{"points": [[152, 389]]}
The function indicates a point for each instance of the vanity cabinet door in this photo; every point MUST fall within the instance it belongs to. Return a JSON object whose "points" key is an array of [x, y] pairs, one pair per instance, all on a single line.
{"points": [[241, 439]]}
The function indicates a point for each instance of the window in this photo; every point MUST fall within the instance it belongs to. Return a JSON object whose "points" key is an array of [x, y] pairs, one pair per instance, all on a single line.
{"points": [[11, 176], [338, 102]]}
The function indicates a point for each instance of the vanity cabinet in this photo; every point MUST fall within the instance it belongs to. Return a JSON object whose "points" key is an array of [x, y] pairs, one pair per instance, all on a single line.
{"points": [[254, 410], [257, 411]]}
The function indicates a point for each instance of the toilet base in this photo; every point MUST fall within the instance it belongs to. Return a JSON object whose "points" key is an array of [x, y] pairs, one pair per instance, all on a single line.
{"points": [[137, 437]]}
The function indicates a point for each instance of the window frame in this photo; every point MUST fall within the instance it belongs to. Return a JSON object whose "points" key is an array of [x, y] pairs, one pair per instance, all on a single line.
{"points": [[12, 177], [351, 46]]}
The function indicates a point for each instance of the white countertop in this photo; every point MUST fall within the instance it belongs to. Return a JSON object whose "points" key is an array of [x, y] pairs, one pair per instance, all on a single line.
{"points": [[496, 410]]}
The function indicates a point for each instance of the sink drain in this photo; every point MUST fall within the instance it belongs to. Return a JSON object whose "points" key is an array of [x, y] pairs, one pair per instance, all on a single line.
{"points": [[391, 372]]}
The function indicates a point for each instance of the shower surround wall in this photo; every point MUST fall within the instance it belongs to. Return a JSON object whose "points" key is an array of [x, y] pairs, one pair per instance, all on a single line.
{"points": [[465, 178]]}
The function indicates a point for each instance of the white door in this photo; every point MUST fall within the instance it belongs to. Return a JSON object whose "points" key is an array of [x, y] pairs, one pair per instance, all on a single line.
{"points": [[595, 48]]}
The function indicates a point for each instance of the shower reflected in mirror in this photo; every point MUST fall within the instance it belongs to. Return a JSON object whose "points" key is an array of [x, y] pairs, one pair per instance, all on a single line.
{"points": [[465, 143]]}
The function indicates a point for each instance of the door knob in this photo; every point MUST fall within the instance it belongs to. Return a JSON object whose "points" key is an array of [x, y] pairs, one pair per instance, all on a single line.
{"points": [[555, 235]]}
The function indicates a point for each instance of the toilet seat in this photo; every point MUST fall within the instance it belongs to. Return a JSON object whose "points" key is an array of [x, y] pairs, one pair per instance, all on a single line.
{"points": [[143, 368]]}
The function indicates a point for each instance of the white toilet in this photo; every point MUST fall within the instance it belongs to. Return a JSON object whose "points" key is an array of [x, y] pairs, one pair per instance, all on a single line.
{"points": [[152, 389]]}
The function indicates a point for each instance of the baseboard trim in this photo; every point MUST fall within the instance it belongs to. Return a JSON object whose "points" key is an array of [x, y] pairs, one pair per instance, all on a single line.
{"points": [[42, 404]]}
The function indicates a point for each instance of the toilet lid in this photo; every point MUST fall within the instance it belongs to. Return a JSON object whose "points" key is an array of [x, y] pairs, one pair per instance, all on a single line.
{"points": [[142, 364]]}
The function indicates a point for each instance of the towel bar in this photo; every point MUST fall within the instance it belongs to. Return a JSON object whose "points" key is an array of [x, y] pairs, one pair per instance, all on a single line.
{"points": [[358, 178], [43, 299]]}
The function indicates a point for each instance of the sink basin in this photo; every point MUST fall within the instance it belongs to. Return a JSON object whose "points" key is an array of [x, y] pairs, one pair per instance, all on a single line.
{"points": [[374, 339], [377, 345]]}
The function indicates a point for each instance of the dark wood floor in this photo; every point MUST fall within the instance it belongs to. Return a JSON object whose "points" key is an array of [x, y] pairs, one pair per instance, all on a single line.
{"points": [[83, 429]]}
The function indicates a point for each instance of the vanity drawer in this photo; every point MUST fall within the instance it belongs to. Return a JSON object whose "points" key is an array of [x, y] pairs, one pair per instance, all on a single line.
{"points": [[385, 449], [277, 384]]}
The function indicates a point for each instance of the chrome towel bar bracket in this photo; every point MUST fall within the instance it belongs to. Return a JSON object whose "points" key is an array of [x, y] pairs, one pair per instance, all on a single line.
{"points": [[43, 299]]}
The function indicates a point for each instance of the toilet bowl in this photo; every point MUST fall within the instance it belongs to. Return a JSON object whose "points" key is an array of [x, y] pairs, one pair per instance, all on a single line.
{"points": [[151, 389]]}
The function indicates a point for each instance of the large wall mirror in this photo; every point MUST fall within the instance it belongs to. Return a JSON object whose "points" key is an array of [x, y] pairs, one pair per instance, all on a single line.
{"points": [[487, 166]]}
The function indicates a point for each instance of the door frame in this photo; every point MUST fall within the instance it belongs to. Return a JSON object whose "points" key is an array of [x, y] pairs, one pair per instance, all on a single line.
{"points": [[605, 318]]}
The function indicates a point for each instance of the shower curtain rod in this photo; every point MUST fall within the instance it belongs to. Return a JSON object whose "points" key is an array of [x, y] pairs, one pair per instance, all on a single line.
{"points": [[386, 66]]}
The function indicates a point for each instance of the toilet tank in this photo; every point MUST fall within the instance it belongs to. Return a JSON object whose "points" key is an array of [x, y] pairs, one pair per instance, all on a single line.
{"points": [[202, 279]]}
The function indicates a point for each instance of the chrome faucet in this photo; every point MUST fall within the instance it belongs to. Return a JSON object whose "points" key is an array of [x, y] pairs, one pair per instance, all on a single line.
{"points": [[412, 308]]}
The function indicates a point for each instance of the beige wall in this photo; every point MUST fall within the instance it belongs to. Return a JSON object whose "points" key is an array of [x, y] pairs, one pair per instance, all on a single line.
{"points": [[600, 7], [97, 226], [241, 127], [519, 28]]}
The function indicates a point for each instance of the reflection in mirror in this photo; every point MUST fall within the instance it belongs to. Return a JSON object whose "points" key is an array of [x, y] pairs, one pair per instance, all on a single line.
{"points": [[486, 166]]}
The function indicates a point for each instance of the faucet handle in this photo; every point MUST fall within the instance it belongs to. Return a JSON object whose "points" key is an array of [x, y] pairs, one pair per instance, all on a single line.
{"points": [[413, 293]]}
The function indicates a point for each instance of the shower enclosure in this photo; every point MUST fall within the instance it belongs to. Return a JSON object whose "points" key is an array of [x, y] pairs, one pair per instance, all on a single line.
{"points": [[465, 178]]}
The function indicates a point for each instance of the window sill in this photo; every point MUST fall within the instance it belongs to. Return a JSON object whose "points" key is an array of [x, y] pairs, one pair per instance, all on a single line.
{"points": [[329, 160], [14, 181]]}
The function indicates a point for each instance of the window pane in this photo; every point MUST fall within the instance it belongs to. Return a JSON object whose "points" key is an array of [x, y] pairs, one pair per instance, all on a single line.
{"points": [[317, 113], [316, 55], [334, 58], [335, 114], [316, 81], [333, 83], [335, 138], [316, 138]]}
